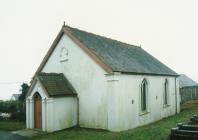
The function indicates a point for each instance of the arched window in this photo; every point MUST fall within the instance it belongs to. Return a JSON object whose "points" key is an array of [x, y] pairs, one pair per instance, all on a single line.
{"points": [[144, 95], [166, 92]]}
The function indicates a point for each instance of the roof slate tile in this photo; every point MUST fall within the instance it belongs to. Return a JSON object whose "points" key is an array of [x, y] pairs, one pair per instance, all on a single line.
{"points": [[121, 57], [56, 84]]}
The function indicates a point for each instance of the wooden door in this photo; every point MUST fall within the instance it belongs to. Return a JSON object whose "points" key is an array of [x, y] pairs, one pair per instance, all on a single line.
{"points": [[37, 112]]}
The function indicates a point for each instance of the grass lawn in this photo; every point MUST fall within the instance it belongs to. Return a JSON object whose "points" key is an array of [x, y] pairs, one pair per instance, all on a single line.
{"points": [[11, 125], [156, 131]]}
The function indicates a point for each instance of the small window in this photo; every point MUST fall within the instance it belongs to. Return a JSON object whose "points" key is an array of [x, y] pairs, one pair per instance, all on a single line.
{"points": [[64, 54], [166, 92], [144, 95]]}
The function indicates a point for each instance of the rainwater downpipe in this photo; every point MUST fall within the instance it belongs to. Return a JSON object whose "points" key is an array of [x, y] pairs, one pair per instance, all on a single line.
{"points": [[175, 96], [77, 111], [45, 111]]}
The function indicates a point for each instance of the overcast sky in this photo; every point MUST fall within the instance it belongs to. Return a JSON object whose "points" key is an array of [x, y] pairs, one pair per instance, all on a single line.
{"points": [[167, 29]]}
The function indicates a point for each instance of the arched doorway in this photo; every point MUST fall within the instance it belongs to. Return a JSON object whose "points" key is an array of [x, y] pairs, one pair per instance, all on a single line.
{"points": [[37, 111]]}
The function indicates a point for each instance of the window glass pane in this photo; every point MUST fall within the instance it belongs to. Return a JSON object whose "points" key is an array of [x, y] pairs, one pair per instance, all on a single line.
{"points": [[143, 96], [166, 92]]}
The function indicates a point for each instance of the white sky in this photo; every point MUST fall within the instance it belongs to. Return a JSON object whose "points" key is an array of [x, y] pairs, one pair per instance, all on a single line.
{"points": [[167, 29]]}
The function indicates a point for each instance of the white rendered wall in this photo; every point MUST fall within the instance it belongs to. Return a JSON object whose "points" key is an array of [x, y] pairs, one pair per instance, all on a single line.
{"points": [[88, 79], [65, 112], [127, 88], [57, 113], [105, 102], [30, 108]]}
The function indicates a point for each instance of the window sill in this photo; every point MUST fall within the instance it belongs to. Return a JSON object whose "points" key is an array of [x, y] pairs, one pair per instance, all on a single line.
{"points": [[63, 60], [144, 113]]}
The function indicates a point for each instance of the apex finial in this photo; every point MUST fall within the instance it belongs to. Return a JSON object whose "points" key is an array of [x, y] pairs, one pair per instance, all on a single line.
{"points": [[63, 23]]}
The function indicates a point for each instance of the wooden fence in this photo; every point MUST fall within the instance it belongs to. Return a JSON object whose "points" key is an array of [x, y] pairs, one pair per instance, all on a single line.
{"points": [[189, 93]]}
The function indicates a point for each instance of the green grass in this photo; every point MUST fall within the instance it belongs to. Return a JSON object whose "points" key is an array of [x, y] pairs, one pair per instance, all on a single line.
{"points": [[11, 125], [156, 131]]}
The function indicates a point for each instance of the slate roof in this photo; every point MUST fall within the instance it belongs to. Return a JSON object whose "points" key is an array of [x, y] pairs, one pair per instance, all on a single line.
{"points": [[122, 57], [185, 81], [56, 84]]}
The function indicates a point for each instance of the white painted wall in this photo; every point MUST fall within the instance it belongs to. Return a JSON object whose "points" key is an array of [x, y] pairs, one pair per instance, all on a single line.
{"points": [[104, 100], [88, 79], [127, 88], [57, 113], [65, 112], [30, 105]]}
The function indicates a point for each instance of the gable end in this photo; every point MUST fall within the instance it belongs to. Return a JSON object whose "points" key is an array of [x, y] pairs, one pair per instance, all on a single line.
{"points": [[65, 30]]}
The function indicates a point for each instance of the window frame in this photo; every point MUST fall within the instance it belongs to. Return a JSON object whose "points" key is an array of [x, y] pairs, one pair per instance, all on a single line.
{"points": [[144, 110], [166, 93]]}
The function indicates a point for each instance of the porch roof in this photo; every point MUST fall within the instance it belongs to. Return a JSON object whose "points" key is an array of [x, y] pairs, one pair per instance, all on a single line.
{"points": [[56, 84]]}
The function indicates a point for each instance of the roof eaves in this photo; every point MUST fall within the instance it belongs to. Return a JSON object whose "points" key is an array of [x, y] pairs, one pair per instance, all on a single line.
{"points": [[189, 86], [141, 73], [42, 85], [35, 80], [31, 87], [65, 95]]}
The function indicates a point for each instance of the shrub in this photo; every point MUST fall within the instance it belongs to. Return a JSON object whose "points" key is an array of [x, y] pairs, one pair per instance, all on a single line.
{"points": [[15, 108], [19, 116]]}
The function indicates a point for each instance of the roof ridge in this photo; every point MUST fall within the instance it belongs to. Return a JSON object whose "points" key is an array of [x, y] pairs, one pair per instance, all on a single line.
{"points": [[51, 73], [104, 37]]}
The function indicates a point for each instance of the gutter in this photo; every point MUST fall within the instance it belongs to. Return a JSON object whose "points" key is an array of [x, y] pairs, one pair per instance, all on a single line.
{"points": [[141, 73]]}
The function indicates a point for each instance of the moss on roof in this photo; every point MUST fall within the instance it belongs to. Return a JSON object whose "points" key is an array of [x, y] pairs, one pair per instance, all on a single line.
{"points": [[56, 84], [122, 57]]}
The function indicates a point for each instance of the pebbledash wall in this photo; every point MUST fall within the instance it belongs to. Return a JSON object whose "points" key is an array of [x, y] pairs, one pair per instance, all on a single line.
{"points": [[106, 101]]}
